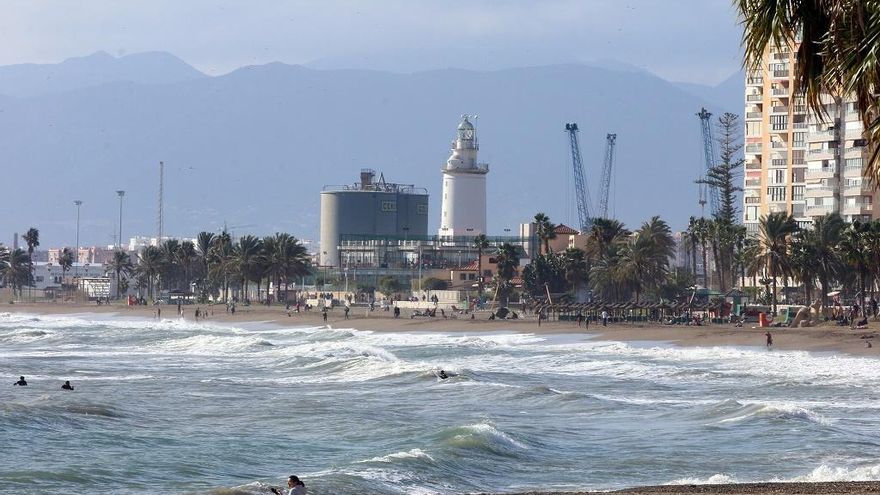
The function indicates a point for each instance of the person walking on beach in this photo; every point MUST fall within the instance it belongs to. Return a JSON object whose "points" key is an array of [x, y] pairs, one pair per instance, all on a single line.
{"points": [[324, 314], [769, 340], [296, 487], [67, 386], [21, 382], [347, 309], [604, 318]]}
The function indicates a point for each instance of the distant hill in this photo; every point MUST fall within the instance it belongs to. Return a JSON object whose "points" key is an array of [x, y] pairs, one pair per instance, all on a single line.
{"points": [[728, 95], [254, 147], [93, 70]]}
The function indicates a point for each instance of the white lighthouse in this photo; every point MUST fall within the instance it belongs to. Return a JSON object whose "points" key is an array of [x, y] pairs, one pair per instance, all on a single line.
{"points": [[464, 186]]}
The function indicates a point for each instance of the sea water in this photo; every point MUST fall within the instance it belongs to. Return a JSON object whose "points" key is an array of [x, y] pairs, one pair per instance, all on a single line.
{"points": [[172, 406]]}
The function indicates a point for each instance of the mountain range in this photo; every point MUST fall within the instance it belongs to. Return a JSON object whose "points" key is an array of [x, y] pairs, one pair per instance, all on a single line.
{"points": [[253, 148]]}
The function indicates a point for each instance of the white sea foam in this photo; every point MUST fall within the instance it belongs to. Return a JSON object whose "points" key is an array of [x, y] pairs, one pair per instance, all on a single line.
{"points": [[823, 473], [715, 479], [409, 454]]}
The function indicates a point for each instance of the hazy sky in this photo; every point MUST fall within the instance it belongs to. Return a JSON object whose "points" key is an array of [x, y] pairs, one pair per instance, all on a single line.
{"points": [[682, 40]]}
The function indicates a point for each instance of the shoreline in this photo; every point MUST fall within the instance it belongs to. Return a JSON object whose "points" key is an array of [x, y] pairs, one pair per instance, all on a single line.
{"points": [[824, 338], [774, 488]]}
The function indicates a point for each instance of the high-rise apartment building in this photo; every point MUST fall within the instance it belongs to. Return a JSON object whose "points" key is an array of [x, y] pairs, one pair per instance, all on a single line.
{"points": [[798, 161]]}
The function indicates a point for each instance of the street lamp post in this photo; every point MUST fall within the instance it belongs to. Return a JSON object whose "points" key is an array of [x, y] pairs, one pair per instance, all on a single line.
{"points": [[78, 203], [120, 193]]}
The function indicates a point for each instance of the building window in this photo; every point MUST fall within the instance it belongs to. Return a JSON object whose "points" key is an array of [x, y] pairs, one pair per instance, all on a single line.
{"points": [[797, 157], [798, 175], [462, 276], [854, 163], [751, 213], [797, 193], [422, 209], [389, 206], [753, 128], [777, 177], [776, 193], [799, 138], [779, 122], [38, 278]]}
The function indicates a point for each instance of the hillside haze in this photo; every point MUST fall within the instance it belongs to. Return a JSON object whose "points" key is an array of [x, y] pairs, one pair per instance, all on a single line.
{"points": [[252, 149]]}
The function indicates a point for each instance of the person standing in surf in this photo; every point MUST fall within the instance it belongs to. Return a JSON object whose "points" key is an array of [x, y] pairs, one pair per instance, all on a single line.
{"points": [[21, 382], [769, 340], [296, 487]]}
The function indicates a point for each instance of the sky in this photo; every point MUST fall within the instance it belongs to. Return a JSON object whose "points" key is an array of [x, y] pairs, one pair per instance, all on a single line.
{"points": [[679, 40]]}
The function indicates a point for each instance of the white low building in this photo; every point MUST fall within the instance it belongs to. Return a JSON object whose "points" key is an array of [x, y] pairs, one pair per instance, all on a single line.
{"points": [[50, 275]]}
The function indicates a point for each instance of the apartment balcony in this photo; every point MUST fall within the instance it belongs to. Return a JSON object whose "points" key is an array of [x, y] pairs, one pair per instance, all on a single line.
{"points": [[852, 171], [800, 109], [754, 81], [780, 207], [854, 152], [818, 191], [780, 74], [755, 165], [781, 92], [753, 182], [820, 173], [820, 154], [799, 125], [779, 162], [858, 209], [854, 133], [862, 190], [753, 148], [824, 136], [781, 55], [779, 145], [780, 109], [754, 115], [819, 211], [755, 97]]}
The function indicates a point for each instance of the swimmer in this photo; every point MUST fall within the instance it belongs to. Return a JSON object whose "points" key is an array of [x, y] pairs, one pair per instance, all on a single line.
{"points": [[442, 375], [21, 382], [67, 386]]}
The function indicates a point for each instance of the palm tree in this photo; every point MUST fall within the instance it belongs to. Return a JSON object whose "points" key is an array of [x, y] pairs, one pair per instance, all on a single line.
{"points": [[289, 259], [576, 268], [221, 263], [248, 258], [602, 235], [16, 271], [544, 230], [825, 238], [855, 253], [120, 264], [837, 52], [32, 238], [185, 257], [506, 263], [480, 244], [775, 231], [168, 272], [65, 260], [150, 264]]}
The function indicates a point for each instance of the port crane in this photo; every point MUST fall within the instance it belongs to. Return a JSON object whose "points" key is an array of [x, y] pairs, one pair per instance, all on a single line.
{"points": [[709, 152], [608, 165], [580, 184]]}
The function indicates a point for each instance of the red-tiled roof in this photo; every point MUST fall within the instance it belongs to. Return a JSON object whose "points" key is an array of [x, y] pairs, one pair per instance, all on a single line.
{"points": [[470, 267], [563, 229]]}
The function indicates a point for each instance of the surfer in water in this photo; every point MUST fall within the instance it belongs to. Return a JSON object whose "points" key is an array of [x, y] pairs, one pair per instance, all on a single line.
{"points": [[296, 487], [67, 386], [21, 382], [442, 374]]}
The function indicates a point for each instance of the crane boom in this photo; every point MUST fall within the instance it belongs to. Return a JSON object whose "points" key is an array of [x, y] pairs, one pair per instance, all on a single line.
{"points": [[580, 184], [610, 140], [709, 152]]}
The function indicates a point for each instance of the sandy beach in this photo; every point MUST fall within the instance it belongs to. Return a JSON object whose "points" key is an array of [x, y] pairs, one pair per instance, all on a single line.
{"points": [[823, 338]]}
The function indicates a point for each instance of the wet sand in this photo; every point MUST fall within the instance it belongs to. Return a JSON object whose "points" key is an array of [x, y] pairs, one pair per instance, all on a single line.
{"points": [[824, 338]]}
